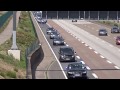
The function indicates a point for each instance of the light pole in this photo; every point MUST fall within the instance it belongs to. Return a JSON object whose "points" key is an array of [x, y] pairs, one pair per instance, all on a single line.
{"points": [[68, 14], [79, 15], [84, 15], [14, 46], [117, 17], [107, 15], [89, 16], [98, 15], [46, 14], [57, 14]]}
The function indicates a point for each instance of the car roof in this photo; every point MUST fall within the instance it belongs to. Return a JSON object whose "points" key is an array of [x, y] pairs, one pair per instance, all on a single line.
{"points": [[76, 63], [66, 47]]}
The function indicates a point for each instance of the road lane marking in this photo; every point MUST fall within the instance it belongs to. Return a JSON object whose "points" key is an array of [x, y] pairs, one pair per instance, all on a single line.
{"points": [[94, 75], [82, 42], [119, 50], [116, 67], [102, 56], [51, 48], [88, 68], [96, 52], [109, 61], [83, 62], [78, 39], [90, 48], [96, 38], [67, 45], [111, 45], [78, 57], [86, 45], [103, 41]]}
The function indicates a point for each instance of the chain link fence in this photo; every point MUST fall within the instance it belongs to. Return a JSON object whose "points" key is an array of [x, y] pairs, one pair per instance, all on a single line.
{"points": [[5, 17]]}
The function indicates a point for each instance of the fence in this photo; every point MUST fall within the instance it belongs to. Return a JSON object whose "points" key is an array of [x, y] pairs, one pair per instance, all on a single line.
{"points": [[5, 17], [29, 51]]}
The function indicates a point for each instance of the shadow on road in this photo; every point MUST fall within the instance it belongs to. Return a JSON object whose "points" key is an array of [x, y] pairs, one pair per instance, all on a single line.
{"points": [[36, 59]]}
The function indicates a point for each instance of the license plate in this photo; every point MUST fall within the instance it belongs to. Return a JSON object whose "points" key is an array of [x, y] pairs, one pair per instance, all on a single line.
{"points": [[77, 74], [67, 59]]}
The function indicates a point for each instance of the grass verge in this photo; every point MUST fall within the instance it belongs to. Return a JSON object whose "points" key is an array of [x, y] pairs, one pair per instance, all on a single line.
{"points": [[25, 37]]}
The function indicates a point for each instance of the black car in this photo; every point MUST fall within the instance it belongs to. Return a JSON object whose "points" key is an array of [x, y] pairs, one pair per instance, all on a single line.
{"points": [[50, 30], [58, 41], [66, 54], [76, 70], [115, 29], [54, 34], [74, 20], [102, 32], [118, 40]]}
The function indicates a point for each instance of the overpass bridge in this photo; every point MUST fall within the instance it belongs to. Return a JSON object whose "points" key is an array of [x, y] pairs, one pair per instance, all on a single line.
{"points": [[88, 15]]}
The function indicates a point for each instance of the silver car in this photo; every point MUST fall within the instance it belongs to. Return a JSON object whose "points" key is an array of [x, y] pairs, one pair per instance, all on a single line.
{"points": [[58, 41]]}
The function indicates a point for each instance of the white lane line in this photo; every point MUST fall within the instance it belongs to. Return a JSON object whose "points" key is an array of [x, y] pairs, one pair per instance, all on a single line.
{"points": [[103, 41], [111, 45], [75, 37], [96, 52], [78, 39], [83, 62], [94, 75], [67, 45], [88, 68], [119, 50], [86, 45], [102, 56], [78, 57], [97, 38], [90, 48], [109, 61], [50, 48], [82, 42], [116, 67]]}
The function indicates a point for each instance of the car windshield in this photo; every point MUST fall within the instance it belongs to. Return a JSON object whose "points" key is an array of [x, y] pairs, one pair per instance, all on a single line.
{"points": [[115, 27], [58, 38], [50, 29], [77, 66], [102, 30], [67, 50]]}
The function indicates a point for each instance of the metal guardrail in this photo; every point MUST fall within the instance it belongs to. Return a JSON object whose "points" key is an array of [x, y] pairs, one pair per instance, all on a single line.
{"points": [[5, 17]]}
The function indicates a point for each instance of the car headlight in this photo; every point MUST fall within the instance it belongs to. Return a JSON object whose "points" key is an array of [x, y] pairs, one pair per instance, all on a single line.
{"points": [[72, 56], [71, 72]]}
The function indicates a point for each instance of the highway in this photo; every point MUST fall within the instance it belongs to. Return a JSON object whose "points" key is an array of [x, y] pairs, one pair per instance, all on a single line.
{"points": [[53, 68], [94, 51]]}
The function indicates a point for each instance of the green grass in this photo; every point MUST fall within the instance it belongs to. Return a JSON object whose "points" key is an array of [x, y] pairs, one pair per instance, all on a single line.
{"points": [[25, 37], [110, 23]]}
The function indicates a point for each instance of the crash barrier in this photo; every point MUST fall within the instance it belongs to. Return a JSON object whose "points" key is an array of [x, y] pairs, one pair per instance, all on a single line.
{"points": [[29, 55]]}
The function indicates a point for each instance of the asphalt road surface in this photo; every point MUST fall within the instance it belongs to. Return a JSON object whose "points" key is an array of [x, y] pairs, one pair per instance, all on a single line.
{"points": [[102, 60]]}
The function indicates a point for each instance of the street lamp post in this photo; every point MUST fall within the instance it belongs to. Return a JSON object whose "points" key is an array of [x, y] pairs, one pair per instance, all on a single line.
{"points": [[57, 14], [46, 14], [14, 46], [68, 14], [89, 16], [79, 15], [84, 15], [98, 15], [107, 15]]}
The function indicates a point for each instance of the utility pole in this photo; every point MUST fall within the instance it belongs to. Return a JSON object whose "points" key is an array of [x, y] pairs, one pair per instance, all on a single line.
{"points": [[14, 49], [98, 15], [14, 46]]}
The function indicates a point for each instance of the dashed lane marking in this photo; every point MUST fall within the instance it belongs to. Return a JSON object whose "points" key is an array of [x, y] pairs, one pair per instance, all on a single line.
{"points": [[102, 56], [96, 52], [109, 61], [78, 57], [116, 67], [90, 48], [94, 75]]}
